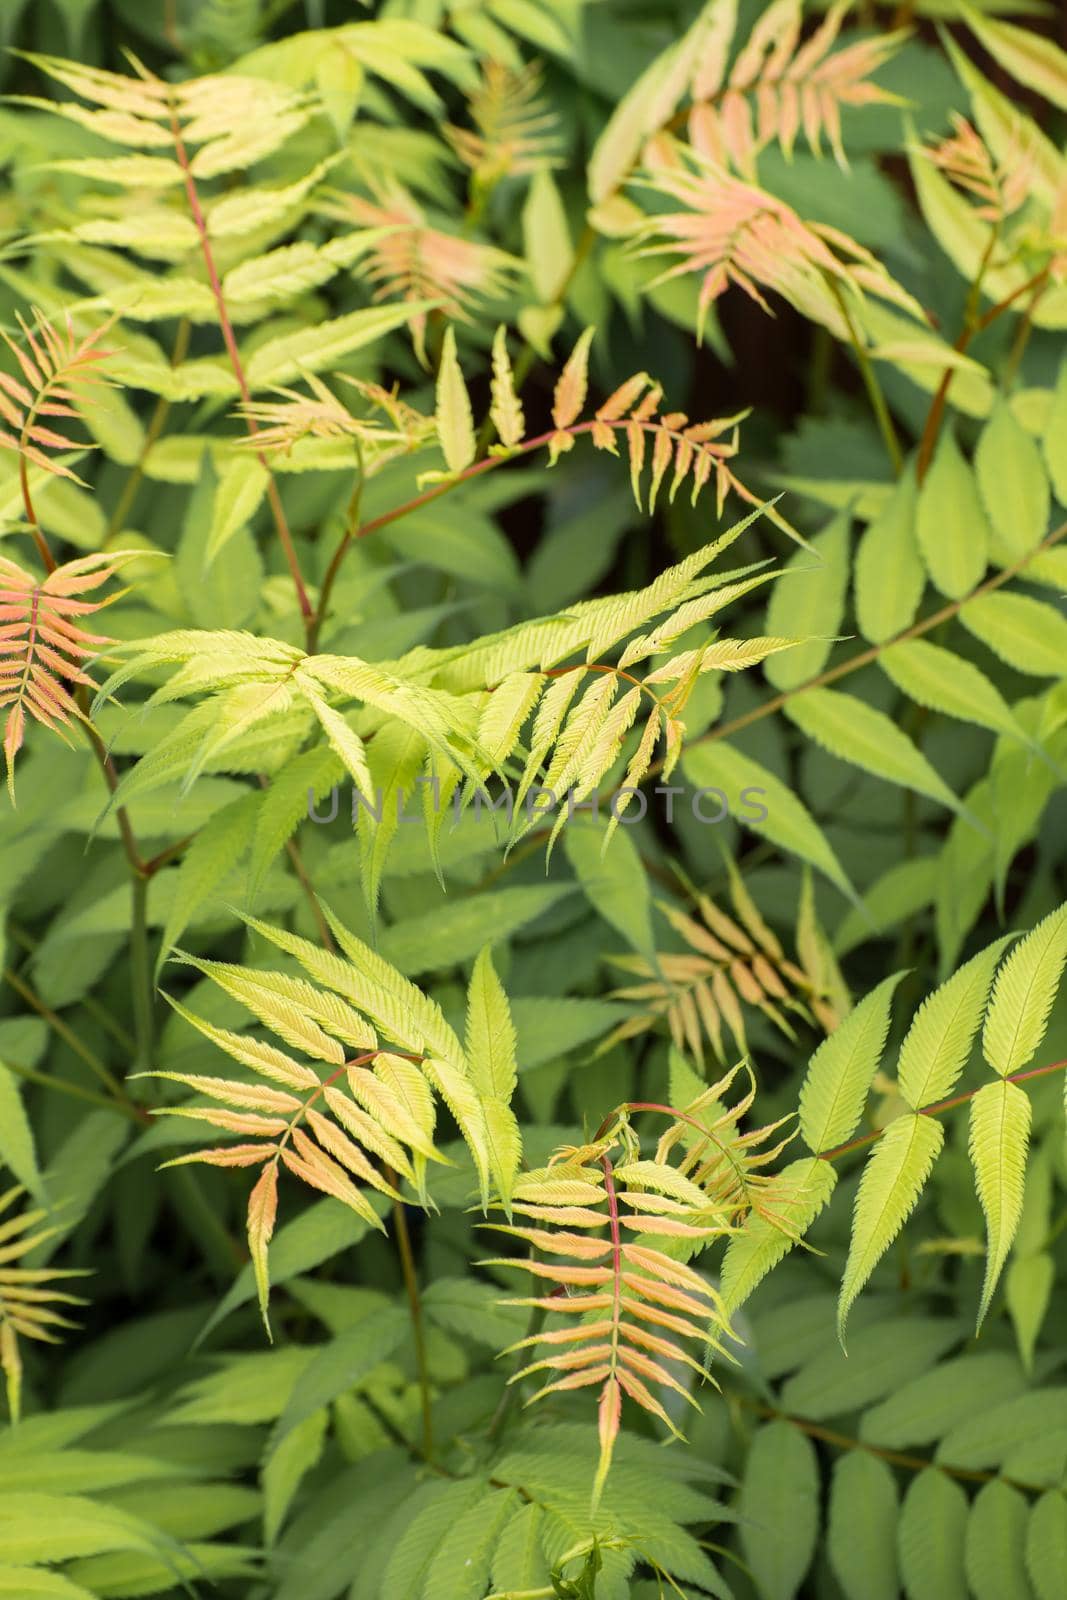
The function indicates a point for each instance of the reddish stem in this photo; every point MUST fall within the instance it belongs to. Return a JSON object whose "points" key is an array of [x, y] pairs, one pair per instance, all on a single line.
{"points": [[941, 1105], [230, 340]]}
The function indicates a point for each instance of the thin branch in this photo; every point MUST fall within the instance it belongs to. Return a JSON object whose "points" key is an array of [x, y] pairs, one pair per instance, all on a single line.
{"points": [[293, 852], [877, 398], [75, 1090], [865, 657], [894, 1458], [156, 423], [973, 326], [230, 340], [70, 1038], [936, 1109], [418, 1330]]}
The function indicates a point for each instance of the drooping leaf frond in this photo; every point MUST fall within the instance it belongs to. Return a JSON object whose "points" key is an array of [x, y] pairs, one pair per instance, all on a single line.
{"points": [[515, 129], [28, 1296], [999, 187], [779, 87], [44, 648], [283, 422], [732, 963], [602, 1226], [732, 232], [54, 367], [362, 1117], [409, 259]]}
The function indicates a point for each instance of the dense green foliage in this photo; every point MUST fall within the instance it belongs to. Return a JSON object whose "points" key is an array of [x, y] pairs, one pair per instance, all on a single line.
{"points": [[533, 676]]}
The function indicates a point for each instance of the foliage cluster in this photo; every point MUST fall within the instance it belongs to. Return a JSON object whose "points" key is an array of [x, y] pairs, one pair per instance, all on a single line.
{"points": [[534, 688]]}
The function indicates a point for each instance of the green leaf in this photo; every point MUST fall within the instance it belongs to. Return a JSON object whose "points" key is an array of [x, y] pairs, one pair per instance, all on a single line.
{"points": [[889, 1190], [460, 1566], [1013, 484], [432, 1511], [490, 1032], [38, 1528], [999, 1136], [760, 1245], [995, 1545], [942, 681], [324, 1229], [473, 1310], [810, 600], [933, 1523], [344, 741], [455, 426], [938, 1043], [1025, 988], [459, 929], [1046, 1546], [862, 1535], [779, 1509], [546, 237], [751, 789], [214, 851], [650, 102], [1026, 633], [866, 737], [839, 1074], [899, 892], [890, 577], [926, 1408], [284, 1468], [614, 881], [17, 1148], [1027, 1290], [987, 1438], [1035, 61], [33, 1583], [241, 487], [884, 1356], [951, 526], [340, 1365], [1055, 439], [282, 807], [519, 1562], [288, 356], [491, 1056]]}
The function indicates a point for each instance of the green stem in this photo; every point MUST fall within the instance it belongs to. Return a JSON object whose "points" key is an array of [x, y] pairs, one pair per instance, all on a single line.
{"points": [[895, 1458], [1022, 337], [870, 382], [98, 1012], [74, 1090], [418, 1330], [117, 520], [141, 975], [70, 1038]]}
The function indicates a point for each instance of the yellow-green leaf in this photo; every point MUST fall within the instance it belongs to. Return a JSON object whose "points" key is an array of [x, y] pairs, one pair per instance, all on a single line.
{"points": [[999, 1136], [455, 425]]}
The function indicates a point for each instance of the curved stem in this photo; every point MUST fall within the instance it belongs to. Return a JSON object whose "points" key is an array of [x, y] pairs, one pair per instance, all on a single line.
{"points": [[935, 1110], [72, 1041], [418, 1330], [75, 1090], [230, 341], [143, 989], [973, 326], [865, 657], [875, 394], [155, 427]]}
